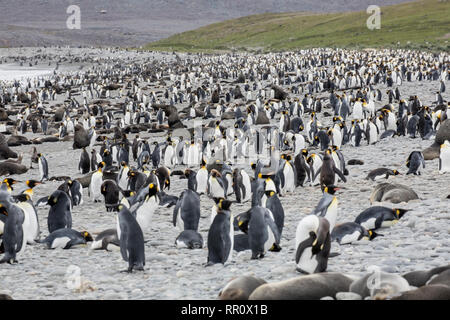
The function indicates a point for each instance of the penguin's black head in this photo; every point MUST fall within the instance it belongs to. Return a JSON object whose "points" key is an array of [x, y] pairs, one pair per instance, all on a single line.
{"points": [[304, 152], [32, 183], [123, 164], [10, 181], [23, 197], [253, 165], [187, 172], [87, 236], [128, 193], [152, 189], [396, 173], [224, 204], [3, 210], [373, 234], [101, 165], [269, 193], [330, 189], [52, 200], [400, 212]]}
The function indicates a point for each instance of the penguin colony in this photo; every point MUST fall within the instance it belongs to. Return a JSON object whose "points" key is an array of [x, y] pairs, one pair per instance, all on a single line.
{"points": [[270, 126]]}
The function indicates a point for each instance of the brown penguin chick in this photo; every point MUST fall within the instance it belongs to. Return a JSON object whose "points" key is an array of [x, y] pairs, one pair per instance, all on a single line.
{"points": [[328, 171]]}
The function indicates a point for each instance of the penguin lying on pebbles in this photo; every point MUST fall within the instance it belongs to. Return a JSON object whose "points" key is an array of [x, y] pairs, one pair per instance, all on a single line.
{"points": [[349, 232], [415, 163], [106, 240], [379, 217], [66, 238], [381, 173]]}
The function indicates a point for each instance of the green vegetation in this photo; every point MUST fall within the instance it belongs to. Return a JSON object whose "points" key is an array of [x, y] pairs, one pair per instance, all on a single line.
{"points": [[422, 24]]}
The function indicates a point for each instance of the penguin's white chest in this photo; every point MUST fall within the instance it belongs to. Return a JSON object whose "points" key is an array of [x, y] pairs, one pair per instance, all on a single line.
{"points": [[289, 183], [168, 156], [60, 242], [331, 213], [349, 238], [216, 189], [231, 235], [202, 179], [444, 159], [307, 261], [145, 212]]}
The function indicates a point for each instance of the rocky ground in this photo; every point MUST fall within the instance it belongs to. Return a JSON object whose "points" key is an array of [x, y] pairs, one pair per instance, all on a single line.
{"points": [[419, 241]]}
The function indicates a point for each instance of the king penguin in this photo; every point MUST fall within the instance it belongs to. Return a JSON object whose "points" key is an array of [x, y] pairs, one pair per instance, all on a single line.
{"points": [[186, 214], [379, 217], [96, 183], [13, 236], [131, 240], [415, 163], [145, 209], [263, 233], [350, 232], [84, 165], [312, 243], [202, 178], [328, 206], [221, 235], [59, 215], [43, 167], [31, 222], [444, 157]]}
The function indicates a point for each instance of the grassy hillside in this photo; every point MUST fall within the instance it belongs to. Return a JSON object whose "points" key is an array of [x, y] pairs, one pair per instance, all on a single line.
{"points": [[421, 24]]}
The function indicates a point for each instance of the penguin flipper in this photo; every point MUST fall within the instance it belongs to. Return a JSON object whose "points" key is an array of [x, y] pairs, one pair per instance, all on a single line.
{"points": [[123, 243], [301, 247], [272, 226], [340, 174], [176, 209], [316, 174]]}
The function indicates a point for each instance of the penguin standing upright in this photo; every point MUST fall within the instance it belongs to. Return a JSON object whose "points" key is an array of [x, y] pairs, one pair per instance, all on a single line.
{"points": [[202, 178], [273, 203], [84, 165], [444, 157], [328, 206], [110, 191], [131, 239], [13, 236], [415, 163], [145, 209], [31, 221], [302, 168], [216, 185], [59, 215], [329, 170], [312, 243], [289, 176], [122, 177], [221, 235], [263, 233], [186, 214], [96, 183], [76, 190], [43, 167]]}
